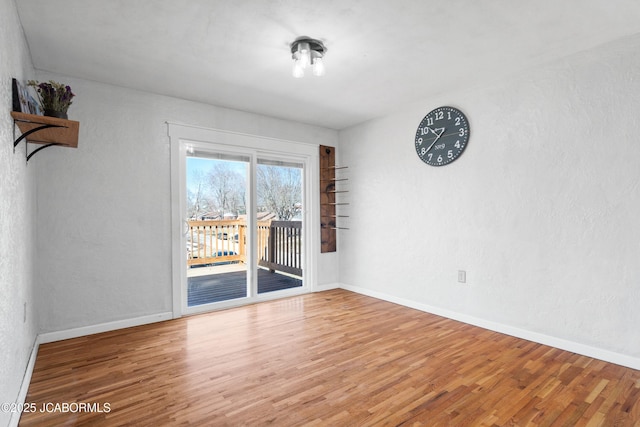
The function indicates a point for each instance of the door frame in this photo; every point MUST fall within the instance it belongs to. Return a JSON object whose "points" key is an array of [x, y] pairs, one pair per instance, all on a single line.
{"points": [[184, 136]]}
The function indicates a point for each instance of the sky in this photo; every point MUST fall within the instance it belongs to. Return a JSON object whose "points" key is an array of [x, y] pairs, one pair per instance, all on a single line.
{"points": [[195, 164]]}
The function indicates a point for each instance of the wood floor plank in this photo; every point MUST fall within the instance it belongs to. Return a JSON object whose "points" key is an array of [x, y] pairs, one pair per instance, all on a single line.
{"points": [[331, 358]]}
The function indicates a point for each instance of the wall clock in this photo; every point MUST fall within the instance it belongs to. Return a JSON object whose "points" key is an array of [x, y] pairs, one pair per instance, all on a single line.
{"points": [[442, 136]]}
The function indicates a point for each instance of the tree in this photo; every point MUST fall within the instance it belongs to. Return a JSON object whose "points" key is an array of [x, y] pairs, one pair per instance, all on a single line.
{"points": [[221, 188], [280, 190], [197, 203], [227, 188]]}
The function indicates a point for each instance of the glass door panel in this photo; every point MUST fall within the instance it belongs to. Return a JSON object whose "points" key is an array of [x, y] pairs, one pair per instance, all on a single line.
{"points": [[279, 213], [217, 189]]}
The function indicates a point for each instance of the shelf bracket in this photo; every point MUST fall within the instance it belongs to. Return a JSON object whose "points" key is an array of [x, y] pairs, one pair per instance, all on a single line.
{"points": [[29, 132], [30, 155], [43, 130]]}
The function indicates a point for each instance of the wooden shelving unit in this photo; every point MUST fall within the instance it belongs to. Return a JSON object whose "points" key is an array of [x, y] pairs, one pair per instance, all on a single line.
{"points": [[46, 131], [328, 202]]}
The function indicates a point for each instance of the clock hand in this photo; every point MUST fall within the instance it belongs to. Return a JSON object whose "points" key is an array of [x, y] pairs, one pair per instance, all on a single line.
{"points": [[452, 133], [438, 135]]}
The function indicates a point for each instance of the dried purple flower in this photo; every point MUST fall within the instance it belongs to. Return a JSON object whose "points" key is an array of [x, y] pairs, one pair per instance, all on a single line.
{"points": [[53, 96]]}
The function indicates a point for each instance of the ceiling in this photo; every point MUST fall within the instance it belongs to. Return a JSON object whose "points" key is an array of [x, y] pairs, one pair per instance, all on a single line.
{"points": [[381, 55]]}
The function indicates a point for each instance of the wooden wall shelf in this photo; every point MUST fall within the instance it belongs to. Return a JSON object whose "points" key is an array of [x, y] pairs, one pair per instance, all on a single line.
{"points": [[45, 130]]}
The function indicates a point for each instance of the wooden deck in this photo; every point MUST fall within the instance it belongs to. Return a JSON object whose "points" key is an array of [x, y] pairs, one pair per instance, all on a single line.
{"points": [[231, 285], [331, 358]]}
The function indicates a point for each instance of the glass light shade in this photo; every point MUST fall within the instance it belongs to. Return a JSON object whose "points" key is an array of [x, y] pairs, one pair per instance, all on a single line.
{"points": [[305, 54], [297, 70], [318, 67]]}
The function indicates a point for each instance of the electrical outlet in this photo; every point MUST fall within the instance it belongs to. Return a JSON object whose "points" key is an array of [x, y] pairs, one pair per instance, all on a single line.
{"points": [[462, 276]]}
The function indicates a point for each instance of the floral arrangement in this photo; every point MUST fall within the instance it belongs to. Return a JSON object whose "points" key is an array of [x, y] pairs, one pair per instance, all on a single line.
{"points": [[54, 97]]}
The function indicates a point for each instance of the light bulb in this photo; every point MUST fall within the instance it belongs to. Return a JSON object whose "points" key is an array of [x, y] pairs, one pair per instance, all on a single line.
{"points": [[305, 54], [297, 71], [318, 67]]}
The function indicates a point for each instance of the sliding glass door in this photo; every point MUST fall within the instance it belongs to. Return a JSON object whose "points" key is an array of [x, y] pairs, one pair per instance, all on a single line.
{"points": [[217, 188], [280, 190], [242, 234]]}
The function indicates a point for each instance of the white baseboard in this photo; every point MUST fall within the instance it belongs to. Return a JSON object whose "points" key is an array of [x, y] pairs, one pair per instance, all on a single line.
{"points": [[103, 327], [563, 344], [26, 380], [327, 287]]}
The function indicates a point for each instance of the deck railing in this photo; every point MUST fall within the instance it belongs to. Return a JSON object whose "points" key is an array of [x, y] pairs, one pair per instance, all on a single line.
{"points": [[214, 242], [281, 248], [210, 242]]}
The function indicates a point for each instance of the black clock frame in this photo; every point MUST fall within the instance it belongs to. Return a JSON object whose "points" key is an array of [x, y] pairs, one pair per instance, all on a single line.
{"points": [[442, 136]]}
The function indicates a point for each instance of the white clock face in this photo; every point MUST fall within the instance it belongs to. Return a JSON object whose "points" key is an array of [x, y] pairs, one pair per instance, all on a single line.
{"points": [[442, 136]]}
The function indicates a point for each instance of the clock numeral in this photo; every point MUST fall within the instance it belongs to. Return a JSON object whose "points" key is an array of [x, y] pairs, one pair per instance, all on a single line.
{"points": [[423, 151], [457, 144], [450, 154], [457, 121], [430, 156], [439, 159], [439, 115], [461, 132], [424, 130], [419, 141], [448, 115]]}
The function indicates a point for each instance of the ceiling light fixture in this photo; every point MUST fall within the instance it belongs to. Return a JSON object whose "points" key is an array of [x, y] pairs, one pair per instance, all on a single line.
{"points": [[307, 52]]}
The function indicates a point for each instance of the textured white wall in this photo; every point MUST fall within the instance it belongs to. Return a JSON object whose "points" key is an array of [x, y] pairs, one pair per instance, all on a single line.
{"points": [[104, 236], [541, 210], [17, 205]]}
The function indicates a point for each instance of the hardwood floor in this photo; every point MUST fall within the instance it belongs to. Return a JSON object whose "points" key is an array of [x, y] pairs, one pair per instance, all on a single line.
{"points": [[334, 358]]}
